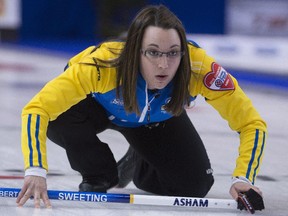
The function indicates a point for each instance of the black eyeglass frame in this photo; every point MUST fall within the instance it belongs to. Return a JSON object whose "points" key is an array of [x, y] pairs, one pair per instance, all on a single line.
{"points": [[160, 54]]}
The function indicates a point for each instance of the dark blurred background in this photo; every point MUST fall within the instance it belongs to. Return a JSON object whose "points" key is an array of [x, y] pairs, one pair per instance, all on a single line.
{"points": [[90, 19], [86, 21]]}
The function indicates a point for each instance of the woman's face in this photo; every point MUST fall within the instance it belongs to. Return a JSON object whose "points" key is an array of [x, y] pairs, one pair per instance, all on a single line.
{"points": [[160, 56]]}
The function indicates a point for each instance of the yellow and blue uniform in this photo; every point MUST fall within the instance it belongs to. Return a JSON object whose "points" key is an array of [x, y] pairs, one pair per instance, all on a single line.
{"points": [[81, 78]]}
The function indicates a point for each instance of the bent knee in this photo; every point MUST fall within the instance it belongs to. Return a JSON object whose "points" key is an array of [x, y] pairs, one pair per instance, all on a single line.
{"points": [[190, 189]]}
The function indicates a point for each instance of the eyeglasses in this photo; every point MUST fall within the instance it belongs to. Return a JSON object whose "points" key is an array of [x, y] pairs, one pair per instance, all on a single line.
{"points": [[154, 54]]}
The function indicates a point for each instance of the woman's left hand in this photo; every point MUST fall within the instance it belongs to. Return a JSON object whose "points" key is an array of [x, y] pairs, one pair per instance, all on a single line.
{"points": [[239, 187]]}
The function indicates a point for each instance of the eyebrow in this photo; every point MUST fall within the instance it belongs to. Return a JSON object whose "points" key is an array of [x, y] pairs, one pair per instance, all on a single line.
{"points": [[155, 45]]}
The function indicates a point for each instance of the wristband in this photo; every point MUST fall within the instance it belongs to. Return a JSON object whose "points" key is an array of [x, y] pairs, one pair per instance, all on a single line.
{"points": [[36, 171], [236, 179]]}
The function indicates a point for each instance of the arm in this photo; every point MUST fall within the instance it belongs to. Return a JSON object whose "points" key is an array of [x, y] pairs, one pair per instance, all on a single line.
{"points": [[72, 86], [235, 107], [222, 91], [238, 110], [55, 98]]}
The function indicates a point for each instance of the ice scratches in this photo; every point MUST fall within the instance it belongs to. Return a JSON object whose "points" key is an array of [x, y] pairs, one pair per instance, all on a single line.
{"points": [[14, 170], [265, 178], [9, 128]]}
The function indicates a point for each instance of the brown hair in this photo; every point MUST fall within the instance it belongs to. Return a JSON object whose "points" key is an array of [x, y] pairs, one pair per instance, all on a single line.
{"points": [[129, 59]]}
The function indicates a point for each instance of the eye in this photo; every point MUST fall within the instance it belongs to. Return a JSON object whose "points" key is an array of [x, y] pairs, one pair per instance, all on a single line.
{"points": [[153, 53], [173, 53]]}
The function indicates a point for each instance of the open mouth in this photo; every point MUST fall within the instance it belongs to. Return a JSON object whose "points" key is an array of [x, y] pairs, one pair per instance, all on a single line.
{"points": [[161, 77]]}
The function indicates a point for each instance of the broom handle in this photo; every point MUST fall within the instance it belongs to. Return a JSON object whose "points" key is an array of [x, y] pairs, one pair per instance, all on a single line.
{"points": [[153, 200]]}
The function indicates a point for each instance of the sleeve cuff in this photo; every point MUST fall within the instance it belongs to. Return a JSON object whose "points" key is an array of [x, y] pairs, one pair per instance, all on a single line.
{"points": [[36, 171], [242, 179]]}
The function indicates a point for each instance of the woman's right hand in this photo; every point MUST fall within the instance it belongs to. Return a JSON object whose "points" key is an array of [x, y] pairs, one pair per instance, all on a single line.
{"points": [[35, 186]]}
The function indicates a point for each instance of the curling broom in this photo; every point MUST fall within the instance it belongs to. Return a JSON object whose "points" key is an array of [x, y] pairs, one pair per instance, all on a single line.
{"points": [[153, 200]]}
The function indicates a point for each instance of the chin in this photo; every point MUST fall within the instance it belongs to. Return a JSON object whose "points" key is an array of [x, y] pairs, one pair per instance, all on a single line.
{"points": [[160, 86], [157, 86]]}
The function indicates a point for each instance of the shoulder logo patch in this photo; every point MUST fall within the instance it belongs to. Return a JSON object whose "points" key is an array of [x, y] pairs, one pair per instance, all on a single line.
{"points": [[218, 79]]}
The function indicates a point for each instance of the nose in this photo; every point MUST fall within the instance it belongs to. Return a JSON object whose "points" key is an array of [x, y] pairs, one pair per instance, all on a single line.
{"points": [[163, 62]]}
